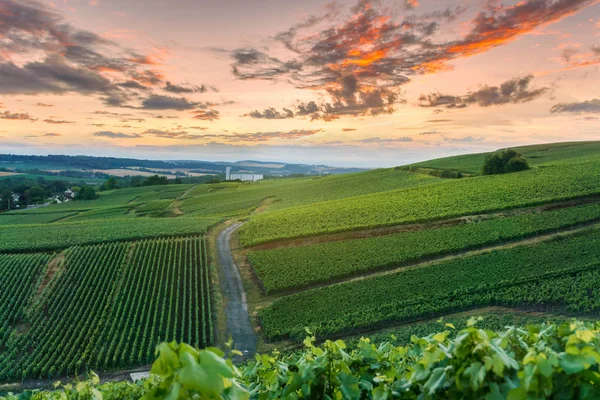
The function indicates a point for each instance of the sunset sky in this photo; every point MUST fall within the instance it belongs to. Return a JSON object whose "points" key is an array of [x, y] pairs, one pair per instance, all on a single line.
{"points": [[347, 83]]}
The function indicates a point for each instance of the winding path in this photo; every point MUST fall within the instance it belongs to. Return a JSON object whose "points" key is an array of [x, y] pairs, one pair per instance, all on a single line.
{"points": [[236, 308]]}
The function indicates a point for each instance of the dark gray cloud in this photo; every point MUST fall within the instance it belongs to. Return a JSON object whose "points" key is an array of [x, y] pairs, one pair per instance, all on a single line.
{"points": [[514, 91], [73, 60], [116, 135], [160, 102], [131, 84], [169, 87], [271, 113], [581, 107]]}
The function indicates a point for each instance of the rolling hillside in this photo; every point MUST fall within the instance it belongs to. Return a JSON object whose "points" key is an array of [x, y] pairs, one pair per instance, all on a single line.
{"points": [[343, 255]]}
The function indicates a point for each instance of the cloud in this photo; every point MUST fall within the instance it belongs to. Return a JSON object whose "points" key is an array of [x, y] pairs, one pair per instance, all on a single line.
{"points": [[206, 115], [266, 136], [254, 137], [468, 139], [568, 53], [429, 133], [385, 141], [169, 87], [160, 102], [116, 135], [348, 129], [361, 64], [44, 105], [131, 84], [58, 122], [71, 60], [409, 4], [582, 107], [17, 116], [271, 113], [514, 91], [44, 135]]}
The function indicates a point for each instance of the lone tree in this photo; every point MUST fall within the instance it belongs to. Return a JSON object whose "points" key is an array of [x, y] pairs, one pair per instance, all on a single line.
{"points": [[504, 163]]}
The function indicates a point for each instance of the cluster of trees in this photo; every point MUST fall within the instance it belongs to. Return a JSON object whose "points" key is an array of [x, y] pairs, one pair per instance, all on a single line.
{"points": [[137, 181], [21, 192], [506, 162]]}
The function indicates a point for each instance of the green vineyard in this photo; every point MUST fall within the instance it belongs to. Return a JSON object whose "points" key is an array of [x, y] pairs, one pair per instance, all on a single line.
{"points": [[445, 199], [563, 272], [299, 267], [104, 306]]}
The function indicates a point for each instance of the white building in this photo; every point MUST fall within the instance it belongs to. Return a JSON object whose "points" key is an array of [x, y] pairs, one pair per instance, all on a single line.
{"points": [[242, 177]]}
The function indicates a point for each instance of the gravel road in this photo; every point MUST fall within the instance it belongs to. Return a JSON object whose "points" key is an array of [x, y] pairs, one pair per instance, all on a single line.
{"points": [[236, 308]]}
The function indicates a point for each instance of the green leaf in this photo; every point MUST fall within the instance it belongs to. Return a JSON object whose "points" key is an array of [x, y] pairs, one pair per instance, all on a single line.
{"points": [[215, 363], [436, 380], [349, 386], [294, 384], [573, 364]]}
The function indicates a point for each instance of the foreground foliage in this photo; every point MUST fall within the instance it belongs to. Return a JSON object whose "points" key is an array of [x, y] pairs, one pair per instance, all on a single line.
{"points": [[536, 362]]}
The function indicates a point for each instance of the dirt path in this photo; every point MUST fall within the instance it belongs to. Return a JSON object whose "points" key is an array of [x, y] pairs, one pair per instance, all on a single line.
{"points": [[236, 308]]}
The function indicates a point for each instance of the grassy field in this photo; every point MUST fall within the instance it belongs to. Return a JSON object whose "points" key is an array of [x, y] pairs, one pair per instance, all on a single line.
{"points": [[536, 155], [444, 199]]}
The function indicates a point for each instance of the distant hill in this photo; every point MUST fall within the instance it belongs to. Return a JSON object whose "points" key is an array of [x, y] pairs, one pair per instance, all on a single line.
{"points": [[537, 156], [89, 163]]}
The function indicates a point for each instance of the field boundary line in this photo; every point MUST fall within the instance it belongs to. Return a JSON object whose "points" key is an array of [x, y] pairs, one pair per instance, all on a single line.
{"points": [[438, 259]]}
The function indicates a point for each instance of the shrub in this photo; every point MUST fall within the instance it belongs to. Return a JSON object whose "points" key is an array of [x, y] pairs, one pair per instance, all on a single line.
{"points": [[506, 162]]}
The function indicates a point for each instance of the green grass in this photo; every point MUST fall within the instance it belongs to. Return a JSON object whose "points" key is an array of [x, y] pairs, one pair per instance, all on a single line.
{"points": [[564, 272], [536, 155], [236, 199], [299, 267], [446, 199], [67, 234]]}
